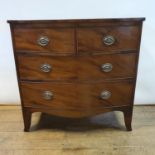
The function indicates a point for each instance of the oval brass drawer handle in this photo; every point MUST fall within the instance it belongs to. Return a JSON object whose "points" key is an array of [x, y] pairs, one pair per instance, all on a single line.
{"points": [[43, 41], [105, 94], [107, 67], [47, 95], [46, 68], [109, 40]]}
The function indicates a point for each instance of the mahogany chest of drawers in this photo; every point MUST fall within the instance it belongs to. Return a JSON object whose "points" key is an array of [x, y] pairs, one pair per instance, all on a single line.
{"points": [[77, 68]]}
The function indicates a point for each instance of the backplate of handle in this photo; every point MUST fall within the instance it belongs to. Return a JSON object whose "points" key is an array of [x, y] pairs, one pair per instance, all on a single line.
{"points": [[105, 94], [43, 41], [107, 67], [109, 40], [46, 67], [47, 95]]}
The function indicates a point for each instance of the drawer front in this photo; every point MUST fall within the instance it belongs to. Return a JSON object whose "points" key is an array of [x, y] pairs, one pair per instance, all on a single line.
{"points": [[68, 99], [53, 40], [81, 67], [108, 39]]}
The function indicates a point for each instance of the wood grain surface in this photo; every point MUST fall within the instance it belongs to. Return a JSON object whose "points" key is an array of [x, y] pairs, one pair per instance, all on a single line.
{"points": [[103, 134], [77, 99], [76, 52], [91, 39], [60, 40], [73, 67]]}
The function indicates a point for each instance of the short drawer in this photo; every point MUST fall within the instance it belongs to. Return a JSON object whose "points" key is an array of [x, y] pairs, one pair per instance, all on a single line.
{"points": [[35, 67], [54, 40], [108, 39], [72, 99]]}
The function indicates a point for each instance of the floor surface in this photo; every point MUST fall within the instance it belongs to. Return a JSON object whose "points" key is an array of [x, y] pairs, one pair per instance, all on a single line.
{"points": [[101, 135]]}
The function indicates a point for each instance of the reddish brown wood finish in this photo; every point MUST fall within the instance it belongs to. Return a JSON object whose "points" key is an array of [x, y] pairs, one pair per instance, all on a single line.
{"points": [[77, 99], [91, 39], [69, 68], [27, 114], [60, 40], [128, 117], [76, 52], [80, 22]]}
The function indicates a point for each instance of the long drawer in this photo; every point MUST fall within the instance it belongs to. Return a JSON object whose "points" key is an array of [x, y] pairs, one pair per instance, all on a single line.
{"points": [[77, 98], [35, 67]]}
